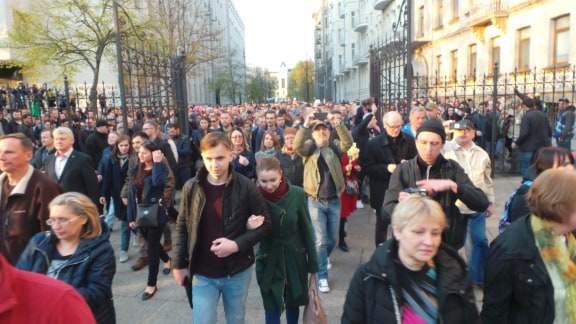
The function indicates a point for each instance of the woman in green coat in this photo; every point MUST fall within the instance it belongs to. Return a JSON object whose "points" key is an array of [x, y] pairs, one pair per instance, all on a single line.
{"points": [[286, 257]]}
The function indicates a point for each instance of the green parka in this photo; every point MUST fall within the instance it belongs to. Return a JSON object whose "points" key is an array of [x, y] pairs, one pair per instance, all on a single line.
{"points": [[285, 258]]}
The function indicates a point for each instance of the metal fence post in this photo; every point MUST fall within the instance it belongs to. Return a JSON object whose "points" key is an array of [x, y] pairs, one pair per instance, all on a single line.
{"points": [[494, 117]]}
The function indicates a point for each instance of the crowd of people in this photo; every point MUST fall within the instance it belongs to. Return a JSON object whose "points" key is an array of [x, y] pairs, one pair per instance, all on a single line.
{"points": [[284, 178]]}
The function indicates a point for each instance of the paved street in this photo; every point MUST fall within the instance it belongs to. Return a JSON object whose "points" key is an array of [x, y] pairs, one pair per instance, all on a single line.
{"points": [[169, 305]]}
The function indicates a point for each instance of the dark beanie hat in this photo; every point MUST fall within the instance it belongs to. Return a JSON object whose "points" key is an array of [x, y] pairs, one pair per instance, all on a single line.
{"points": [[433, 125]]}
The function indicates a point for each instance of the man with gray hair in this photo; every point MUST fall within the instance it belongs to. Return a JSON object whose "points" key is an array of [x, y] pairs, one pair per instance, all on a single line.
{"points": [[416, 118], [383, 154], [71, 169]]}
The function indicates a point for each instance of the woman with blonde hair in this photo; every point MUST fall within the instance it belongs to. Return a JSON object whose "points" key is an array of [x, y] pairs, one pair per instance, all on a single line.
{"points": [[77, 251], [413, 277]]}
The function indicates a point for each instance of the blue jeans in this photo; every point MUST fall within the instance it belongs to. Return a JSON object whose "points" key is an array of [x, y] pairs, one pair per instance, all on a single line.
{"points": [[206, 294], [325, 216], [124, 236], [479, 246], [109, 217], [525, 162], [292, 314]]}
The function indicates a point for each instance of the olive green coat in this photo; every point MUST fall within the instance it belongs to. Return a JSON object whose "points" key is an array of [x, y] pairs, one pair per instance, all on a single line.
{"points": [[286, 257], [305, 146]]}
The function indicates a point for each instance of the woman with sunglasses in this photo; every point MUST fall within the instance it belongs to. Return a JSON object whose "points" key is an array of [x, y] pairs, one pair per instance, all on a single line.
{"points": [[77, 251]]}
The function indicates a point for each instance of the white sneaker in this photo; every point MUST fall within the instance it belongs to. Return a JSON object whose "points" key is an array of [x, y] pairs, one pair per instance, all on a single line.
{"points": [[123, 256], [329, 265], [323, 286], [359, 204]]}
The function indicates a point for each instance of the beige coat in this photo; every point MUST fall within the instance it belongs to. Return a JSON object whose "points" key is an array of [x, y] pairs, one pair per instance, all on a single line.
{"points": [[477, 165]]}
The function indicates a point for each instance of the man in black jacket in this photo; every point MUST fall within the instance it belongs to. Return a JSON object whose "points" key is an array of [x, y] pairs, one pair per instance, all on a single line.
{"points": [[185, 158], [535, 133], [442, 179], [152, 129], [383, 154], [564, 130], [97, 142], [213, 243], [71, 169]]}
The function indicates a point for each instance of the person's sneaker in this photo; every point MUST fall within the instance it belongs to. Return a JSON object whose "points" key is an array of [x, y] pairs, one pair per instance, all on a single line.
{"points": [[323, 286], [359, 204], [140, 263], [329, 265], [123, 256]]}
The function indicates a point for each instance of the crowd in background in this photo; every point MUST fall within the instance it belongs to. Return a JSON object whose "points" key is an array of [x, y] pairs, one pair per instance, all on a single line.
{"points": [[287, 176]]}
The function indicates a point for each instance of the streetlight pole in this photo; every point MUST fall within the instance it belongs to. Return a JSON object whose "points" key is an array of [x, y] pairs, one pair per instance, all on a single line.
{"points": [[120, 64]]}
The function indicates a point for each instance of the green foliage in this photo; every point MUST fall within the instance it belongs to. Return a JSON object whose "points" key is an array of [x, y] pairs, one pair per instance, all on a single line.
{"points": [[260, 85], [301, 81]]}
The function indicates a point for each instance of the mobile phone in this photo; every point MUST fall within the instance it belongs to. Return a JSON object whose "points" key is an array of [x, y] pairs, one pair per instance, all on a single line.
{"points": [[421, 191], [320, 116]]}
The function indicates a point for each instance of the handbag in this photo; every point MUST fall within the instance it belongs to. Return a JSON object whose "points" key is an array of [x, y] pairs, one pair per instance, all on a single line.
{"points": [[352, 187], [314, 312], [147, 215]]}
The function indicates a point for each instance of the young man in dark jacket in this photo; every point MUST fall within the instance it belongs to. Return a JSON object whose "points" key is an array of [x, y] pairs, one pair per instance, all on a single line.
{"points": [[212, 242], [535, 133], [383, 154], [442, 179], [564, 130]]}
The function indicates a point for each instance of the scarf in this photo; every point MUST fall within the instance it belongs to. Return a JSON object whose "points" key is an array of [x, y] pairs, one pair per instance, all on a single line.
{"points": [[560, 255], [123, 158], [278, 194]]}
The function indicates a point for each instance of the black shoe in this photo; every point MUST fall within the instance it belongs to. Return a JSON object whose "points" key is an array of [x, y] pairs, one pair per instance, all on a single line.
{"points": [[146, 296], [343, 247], [166, 271]]}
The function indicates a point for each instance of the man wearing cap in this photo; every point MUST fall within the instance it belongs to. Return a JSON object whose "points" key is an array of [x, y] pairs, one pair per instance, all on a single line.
{"points": [[535, 133], [564, 130], [442, 179], [476, 163], [323, 183]]}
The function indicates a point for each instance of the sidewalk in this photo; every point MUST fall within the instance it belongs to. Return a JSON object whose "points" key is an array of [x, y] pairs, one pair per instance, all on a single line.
{"points": [[169, 305]]}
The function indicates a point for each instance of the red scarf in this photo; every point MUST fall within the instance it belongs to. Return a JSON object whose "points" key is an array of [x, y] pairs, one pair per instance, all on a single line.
{"points": [[277, 195]]}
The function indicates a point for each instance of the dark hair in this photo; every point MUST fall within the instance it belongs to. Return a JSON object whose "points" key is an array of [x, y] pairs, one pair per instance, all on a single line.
{"points": [[142, 135], [116, 150], [150, 146], [140, 173], [547, 156], [174, 125]]}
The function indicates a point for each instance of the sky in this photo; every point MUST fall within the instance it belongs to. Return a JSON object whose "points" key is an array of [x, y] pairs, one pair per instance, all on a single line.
{"points": [[277, 31]]}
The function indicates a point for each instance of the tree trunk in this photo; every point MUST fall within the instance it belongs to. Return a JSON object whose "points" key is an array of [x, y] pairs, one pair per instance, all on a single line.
{"points": [[93, 97]]}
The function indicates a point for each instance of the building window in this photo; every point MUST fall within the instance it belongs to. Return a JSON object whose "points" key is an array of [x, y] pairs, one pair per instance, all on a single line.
{"points": [[353, 19], [353, 48], [494, 53], [283, 83], [524, 49], [438, 65], [439, 11], [454, 65], [472, 60], [455, 9], [561, 38], [420, 32]]}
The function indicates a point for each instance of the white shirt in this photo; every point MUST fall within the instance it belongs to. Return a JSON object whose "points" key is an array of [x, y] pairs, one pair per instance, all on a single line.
{"points": [[61, 160]]}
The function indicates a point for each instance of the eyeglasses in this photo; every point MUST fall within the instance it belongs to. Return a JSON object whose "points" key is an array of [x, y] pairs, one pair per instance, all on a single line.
{"points": [[59, 221], [393, 126]]}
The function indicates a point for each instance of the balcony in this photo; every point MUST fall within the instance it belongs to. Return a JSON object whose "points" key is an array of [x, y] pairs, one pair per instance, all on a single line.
{"points": [[361, 60], [361, 25], [495, 13], [382, 4]]}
